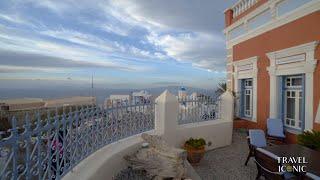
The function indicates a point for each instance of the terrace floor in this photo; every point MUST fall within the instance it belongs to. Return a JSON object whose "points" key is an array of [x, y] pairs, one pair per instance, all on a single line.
{"points": [[228, 162]]}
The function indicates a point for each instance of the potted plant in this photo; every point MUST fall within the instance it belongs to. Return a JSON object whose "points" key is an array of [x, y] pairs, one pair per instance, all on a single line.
{"points": [[195, 149], [310, 139]]}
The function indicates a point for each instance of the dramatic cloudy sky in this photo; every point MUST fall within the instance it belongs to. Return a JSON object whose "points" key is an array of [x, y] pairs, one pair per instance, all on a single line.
{"points": [[136, 43]]}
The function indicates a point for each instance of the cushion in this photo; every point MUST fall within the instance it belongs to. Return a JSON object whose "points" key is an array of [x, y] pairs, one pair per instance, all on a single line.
{"points": [[275, 128], [257, 138]]}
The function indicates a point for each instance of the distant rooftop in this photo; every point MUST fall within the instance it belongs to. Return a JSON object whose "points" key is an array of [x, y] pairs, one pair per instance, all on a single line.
{"points": [[20, 101], [75, 100]]}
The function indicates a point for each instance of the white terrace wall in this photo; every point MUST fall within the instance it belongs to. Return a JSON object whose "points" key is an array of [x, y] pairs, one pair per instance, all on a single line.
{"points": [[108, 161], [218, 132]]}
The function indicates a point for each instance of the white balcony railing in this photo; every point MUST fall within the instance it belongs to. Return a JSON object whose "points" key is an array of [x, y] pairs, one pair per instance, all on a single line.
{"points": [[48, 145], [242, 6]]}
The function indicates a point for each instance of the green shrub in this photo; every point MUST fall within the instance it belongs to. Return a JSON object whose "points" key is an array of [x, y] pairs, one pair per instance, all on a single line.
{"points": [[196, 143], [310, 139]]}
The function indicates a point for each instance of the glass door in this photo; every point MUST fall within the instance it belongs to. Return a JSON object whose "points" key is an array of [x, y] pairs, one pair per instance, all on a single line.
{"points": [[293, 102], [247, 98]]}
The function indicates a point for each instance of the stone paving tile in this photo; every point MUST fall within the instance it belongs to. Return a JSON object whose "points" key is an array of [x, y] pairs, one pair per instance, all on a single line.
{"points": [[227, 163]]}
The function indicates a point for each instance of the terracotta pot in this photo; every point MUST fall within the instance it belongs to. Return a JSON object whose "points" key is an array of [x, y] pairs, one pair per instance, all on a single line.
{"points": [[194, 155]]}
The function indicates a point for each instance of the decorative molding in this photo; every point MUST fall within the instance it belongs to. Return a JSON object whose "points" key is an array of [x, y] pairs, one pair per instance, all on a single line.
{"points": [[300, 49], [278, 21], [245, 67], [250, 15], [291, 59], [253, 59], [295, 60]]}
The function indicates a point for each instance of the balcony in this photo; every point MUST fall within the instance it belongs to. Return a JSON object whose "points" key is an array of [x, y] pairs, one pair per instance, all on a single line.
{"points": [[242, 6], [90, 142], [250, 18]]}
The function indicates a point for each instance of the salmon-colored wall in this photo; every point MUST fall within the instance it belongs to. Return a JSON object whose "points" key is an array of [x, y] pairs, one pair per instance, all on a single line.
{"points": [[303, 30], [228, 17]]}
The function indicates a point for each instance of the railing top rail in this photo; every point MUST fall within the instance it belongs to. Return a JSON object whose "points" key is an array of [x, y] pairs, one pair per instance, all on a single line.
{"points": [[242, 5]]}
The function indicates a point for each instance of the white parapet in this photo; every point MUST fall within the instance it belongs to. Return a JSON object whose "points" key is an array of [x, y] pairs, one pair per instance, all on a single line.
{"points": [[166, 116], [227, 106], [218, 132]]}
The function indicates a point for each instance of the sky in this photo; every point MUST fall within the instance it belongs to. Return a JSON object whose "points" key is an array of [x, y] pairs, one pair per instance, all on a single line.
{"points": [[121, 43]]}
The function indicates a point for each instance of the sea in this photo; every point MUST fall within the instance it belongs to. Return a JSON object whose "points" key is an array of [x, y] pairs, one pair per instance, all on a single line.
{"points": [[100, 93]]}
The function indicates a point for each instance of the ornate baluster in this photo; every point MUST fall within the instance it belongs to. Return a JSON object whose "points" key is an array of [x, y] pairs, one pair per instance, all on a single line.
{"points": [[63, 139], [76, 155], [27, 141], [38, 158], [15, 147], [47, 165], [56, 144]]}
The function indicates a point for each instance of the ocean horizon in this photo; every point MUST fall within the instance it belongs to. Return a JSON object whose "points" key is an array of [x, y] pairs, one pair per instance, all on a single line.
{"points": [[99, 93]]}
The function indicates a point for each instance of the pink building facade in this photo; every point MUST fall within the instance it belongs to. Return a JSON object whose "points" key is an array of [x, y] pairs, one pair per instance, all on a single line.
{"points": [[273, 64]]}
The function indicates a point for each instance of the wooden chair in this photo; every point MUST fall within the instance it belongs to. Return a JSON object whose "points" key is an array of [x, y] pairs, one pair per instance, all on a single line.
{"points": [[268, 166], [256, 138]]}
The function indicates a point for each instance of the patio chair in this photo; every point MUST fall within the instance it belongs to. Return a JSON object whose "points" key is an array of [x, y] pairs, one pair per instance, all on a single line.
{"points": [[275, 130], [256, 138], [268, 166]]}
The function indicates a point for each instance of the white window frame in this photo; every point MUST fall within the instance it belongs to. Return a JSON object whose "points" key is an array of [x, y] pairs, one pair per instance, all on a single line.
{"points": [[246, 114], [297, 90], [245, 69], [293, 66]]}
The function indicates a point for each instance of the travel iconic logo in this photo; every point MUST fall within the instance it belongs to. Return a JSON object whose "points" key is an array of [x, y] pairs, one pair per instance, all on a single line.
{"points": [[292, 164]]}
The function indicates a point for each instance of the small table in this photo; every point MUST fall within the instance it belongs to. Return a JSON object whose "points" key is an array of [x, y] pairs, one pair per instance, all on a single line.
{"points": [[294, 150]]}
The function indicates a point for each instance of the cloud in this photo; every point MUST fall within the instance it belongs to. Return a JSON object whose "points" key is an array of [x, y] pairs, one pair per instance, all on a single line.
{"points": [[118, 35], [202, 50], [80, 38], [83, 47], [12, 19], [194, 15], [187, 32], [23, 62], [22, 69], [119, 30], [58, 7]]}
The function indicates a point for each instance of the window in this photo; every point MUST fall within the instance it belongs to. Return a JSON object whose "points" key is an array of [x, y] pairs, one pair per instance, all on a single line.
{"points": [[246, 97], [293, 114]]}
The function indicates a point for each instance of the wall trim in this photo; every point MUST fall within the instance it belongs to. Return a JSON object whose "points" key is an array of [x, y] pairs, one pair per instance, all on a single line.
{"points": [[307, 67], [304, 10]]}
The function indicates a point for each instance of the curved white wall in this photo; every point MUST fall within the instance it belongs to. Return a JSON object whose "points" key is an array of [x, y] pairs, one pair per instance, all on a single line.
{"points": [[107, 161], [218, 132]]}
